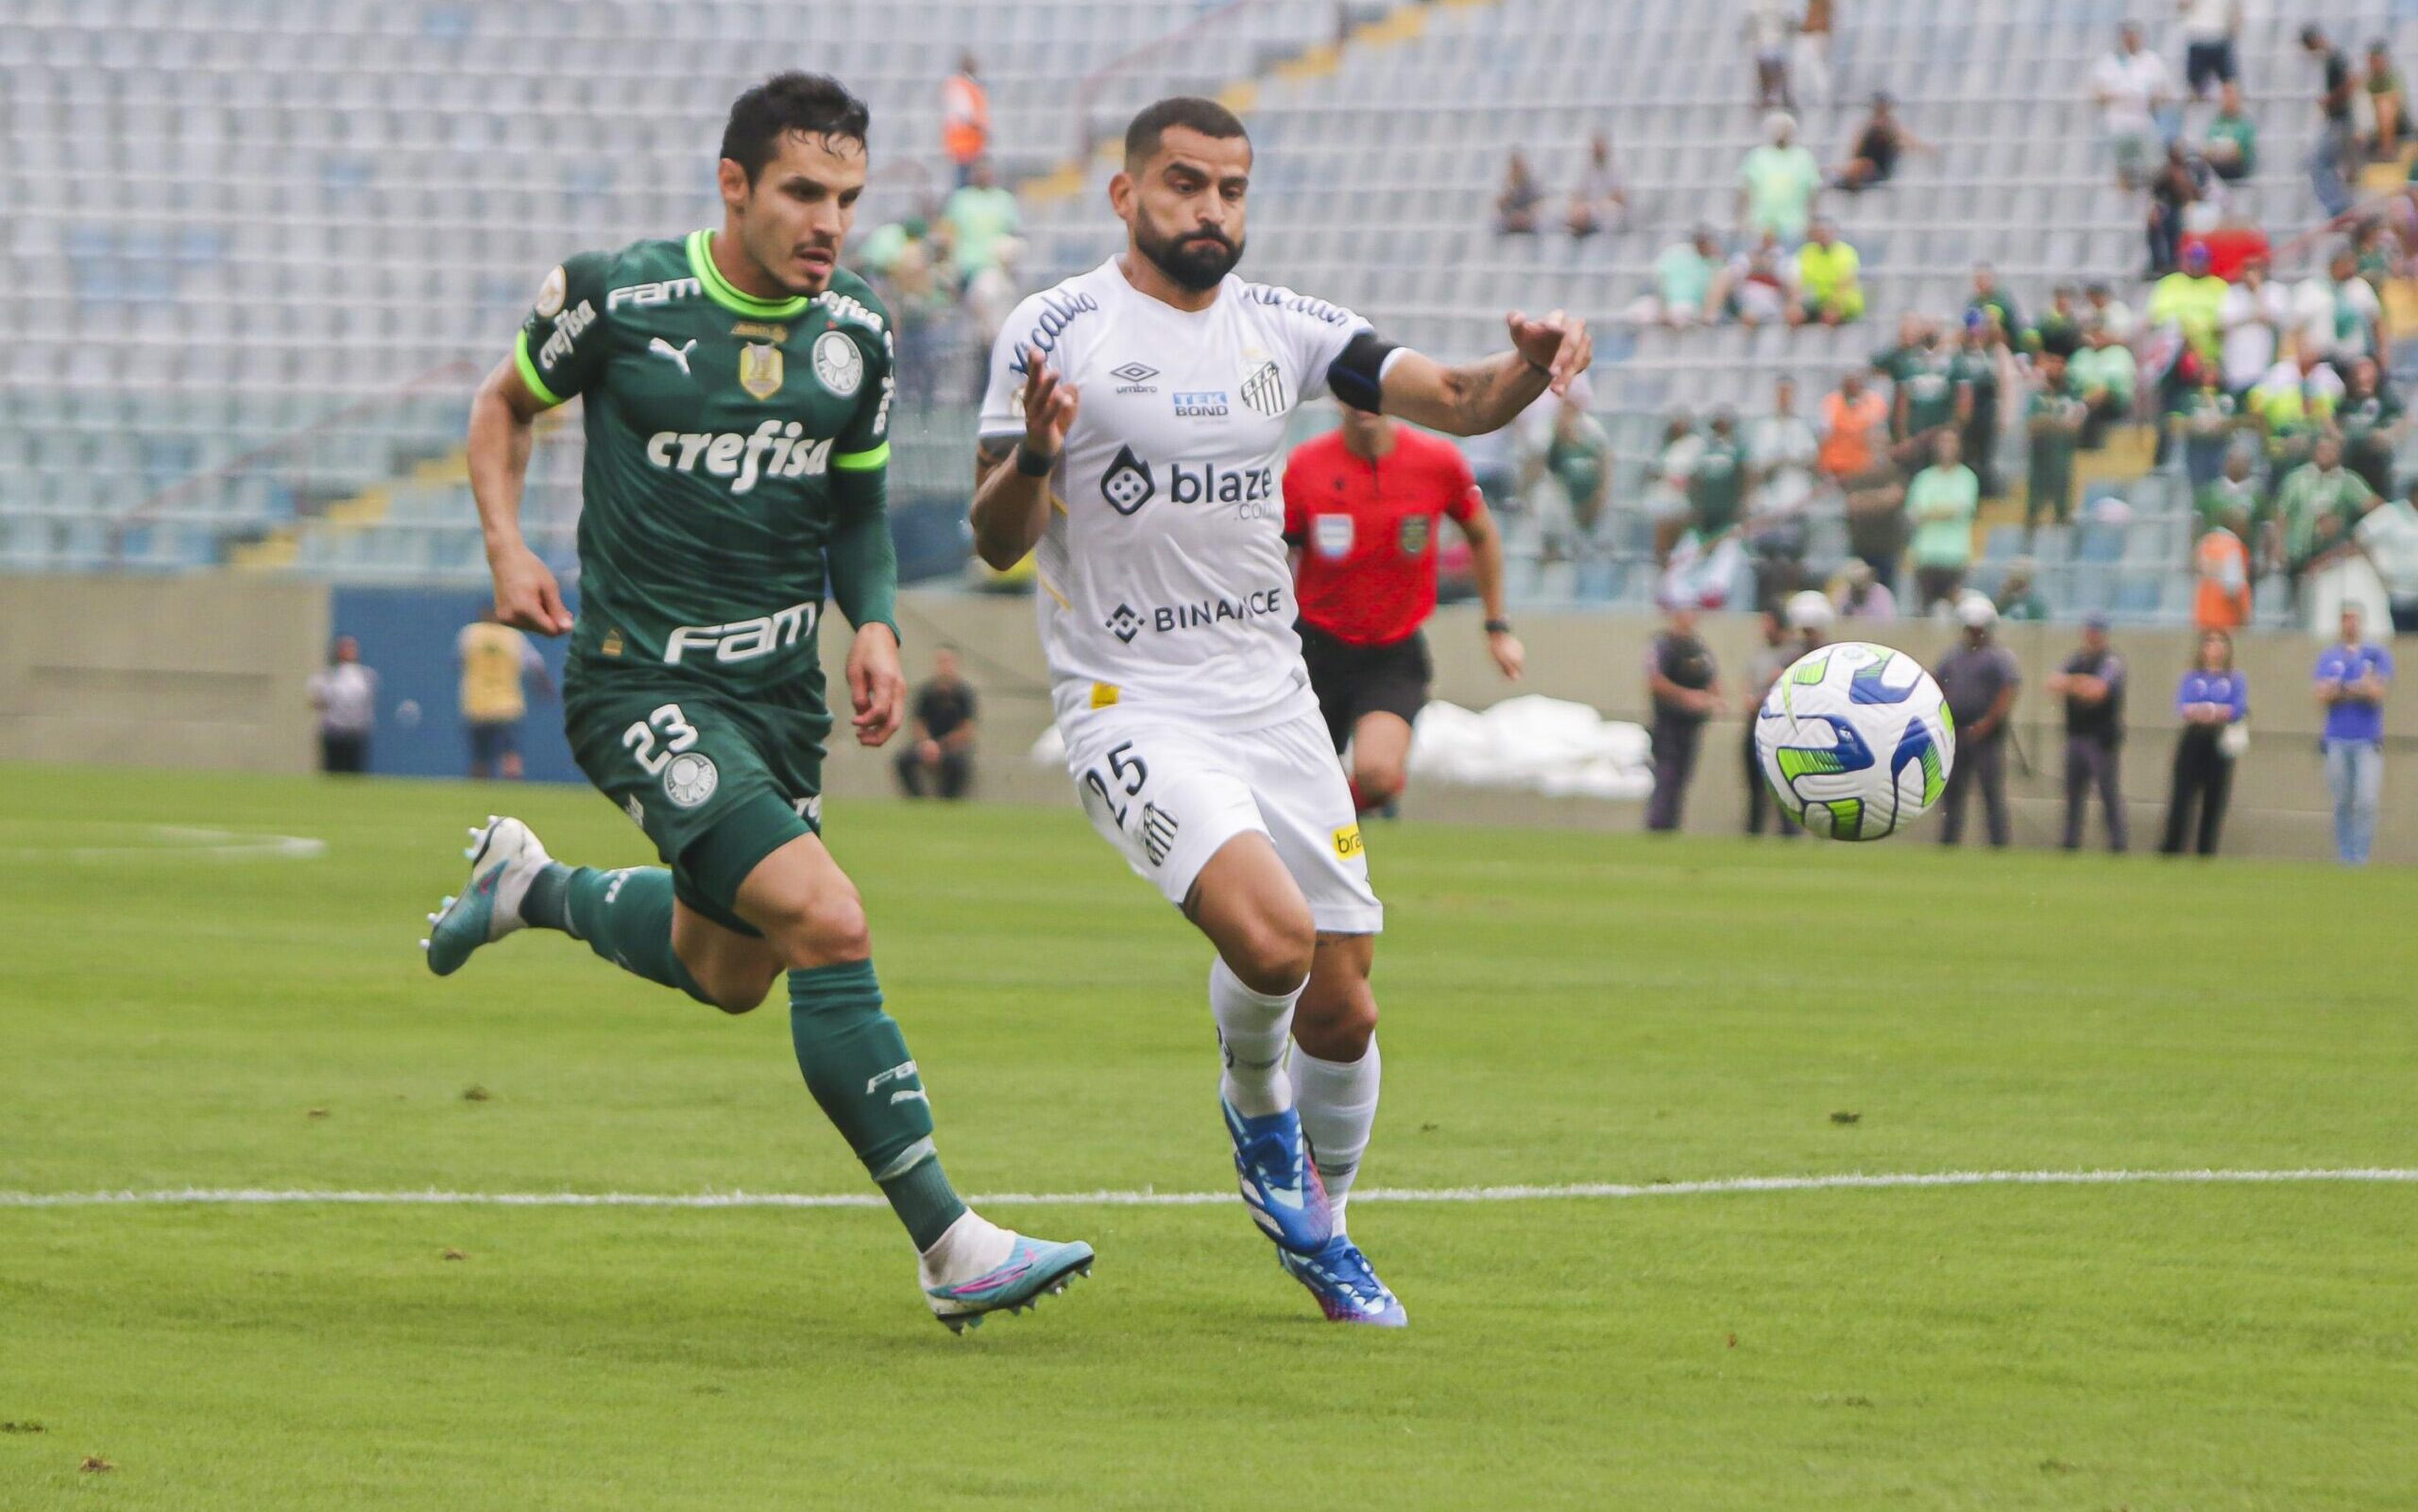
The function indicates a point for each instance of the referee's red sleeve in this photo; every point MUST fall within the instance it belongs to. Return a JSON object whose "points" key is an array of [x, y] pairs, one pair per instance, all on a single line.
{"points": [[1296, 517], [1466, 503]]}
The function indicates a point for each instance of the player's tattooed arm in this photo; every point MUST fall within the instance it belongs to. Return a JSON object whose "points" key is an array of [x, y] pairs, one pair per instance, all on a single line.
{"points": [[1012, 493], [1475, 398]]}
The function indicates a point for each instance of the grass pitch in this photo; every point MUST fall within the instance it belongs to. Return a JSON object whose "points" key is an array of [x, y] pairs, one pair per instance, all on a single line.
{"points": [[1560, 1007]]}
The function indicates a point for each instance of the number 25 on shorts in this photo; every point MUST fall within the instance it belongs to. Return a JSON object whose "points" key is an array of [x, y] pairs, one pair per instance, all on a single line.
{"points": [[678, 735], [1130, 771]]}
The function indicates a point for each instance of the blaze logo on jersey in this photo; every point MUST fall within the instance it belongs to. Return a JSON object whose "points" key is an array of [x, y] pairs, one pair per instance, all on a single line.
{"points": [[838, 365], [1264, 390], [761, 369], [1127, 484]]}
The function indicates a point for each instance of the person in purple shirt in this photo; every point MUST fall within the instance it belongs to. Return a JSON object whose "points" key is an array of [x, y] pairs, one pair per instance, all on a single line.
{"points": [[2212, 702], [2352, 677]]}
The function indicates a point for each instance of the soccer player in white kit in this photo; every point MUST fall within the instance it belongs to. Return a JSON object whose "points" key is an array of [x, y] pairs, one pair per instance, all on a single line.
{"points": [[1134, 435]]}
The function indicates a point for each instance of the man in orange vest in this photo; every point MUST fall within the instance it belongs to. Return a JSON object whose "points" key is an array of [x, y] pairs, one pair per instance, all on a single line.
{"points": [[966, 118], [2223, 564]]}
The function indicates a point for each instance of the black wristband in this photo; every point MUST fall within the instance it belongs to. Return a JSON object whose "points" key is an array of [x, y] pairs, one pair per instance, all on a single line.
{"points": [[1498, 627], [1034, 464]]}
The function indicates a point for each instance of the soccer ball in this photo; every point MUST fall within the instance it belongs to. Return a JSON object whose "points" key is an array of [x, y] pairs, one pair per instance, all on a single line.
{"points": [[1856, 740]]}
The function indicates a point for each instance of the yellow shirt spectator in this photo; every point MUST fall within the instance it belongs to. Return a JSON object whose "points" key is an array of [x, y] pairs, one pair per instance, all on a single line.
{"points": [[494, 659], [1827, 275], [2195, 304]]}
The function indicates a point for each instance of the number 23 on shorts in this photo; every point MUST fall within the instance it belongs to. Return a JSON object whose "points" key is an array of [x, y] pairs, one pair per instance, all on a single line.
{"points": [[677, 733]]}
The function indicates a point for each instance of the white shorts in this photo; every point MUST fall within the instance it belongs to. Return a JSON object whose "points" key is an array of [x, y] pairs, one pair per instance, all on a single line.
{"points": [[1169, 794]]}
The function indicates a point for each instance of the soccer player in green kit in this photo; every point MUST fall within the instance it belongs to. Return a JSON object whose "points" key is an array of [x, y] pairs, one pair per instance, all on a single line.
{"points": [[737, 387]]}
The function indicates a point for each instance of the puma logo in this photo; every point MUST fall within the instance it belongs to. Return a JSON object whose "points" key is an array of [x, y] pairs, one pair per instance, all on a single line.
{"points": [[678, 354]]}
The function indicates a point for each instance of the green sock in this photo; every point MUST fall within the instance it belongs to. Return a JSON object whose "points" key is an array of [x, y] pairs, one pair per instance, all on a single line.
{"points": [[625, 916], [857, 1066]]}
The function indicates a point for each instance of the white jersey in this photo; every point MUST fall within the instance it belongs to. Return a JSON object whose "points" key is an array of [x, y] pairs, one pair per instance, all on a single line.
{"points": [[1163, 571]]}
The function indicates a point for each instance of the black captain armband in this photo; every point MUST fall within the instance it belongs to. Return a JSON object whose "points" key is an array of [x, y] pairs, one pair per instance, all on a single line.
{"points": [[1356, 376]]}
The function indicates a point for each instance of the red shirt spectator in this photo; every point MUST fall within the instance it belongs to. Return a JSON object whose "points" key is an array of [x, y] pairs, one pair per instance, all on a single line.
{"points": [[1366, 530], [2229, 248]]}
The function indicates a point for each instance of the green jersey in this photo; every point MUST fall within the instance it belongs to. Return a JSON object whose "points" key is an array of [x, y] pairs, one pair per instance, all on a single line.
{"points": [[720, 429], [1929, 381], [2310, 495], [2367, 423], [2054, 418], [1717, 485], [2226, 497]]}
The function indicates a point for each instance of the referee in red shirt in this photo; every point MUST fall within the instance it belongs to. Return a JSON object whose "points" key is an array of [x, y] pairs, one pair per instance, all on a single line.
{"points": [[1361, 505]]}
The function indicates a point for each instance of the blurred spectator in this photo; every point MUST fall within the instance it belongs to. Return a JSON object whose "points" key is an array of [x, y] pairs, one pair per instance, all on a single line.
{"points": [[2377, 248], [2340, 317], [2186, 311], [1771, 34], [1983, 369], [939, 759], [2059, 331], [2205, 421], [1717, 483], [1993, 301], [497, 661], [2369, 418], [2054, 421], [1813, 29], [2232, 145], [2017, 600], [913, 285], [2107, 376], [1862, 596], [1878, 144], [1980, 679], [1778, 182], [1576, 477], [2385, 101], [2294, 405], [2212, 702], [1941, 502], [1829, 280], [980, 215], [2092, 684], [2352, 678], [2388, 534], [966, 118], [2131, 85], [992, 294], [2251, 322], [2331, 161], [1781, 450], [1927, 398], [1666, 495], [1764, 671], [1683, 280], [1758, 286], [345, 693], [1854, 428], [2318, 506], [1682, 681], [1515, 207], [2231, 498], [2108, 310], [2221, 562], [1599, 202], [2209, 28], [2173, 188]]}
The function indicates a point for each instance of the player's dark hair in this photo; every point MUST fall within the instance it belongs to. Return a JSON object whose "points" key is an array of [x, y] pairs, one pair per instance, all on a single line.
{"points": [[814, 105], [1190, 112]]}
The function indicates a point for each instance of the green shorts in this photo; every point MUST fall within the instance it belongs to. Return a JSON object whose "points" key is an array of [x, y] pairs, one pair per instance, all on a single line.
{"points": [[718, 781]]}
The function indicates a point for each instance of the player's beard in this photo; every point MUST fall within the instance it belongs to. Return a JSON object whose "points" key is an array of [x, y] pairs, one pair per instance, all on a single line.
{"points": [[1199, 261]]}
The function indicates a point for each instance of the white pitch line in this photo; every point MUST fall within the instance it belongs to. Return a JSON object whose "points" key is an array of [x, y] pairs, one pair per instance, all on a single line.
{"points": [[1589, 1191], [180, 840]]}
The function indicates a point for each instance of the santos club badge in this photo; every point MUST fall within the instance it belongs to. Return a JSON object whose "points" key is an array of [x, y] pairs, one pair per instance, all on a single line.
{"points": [[838, 364]]}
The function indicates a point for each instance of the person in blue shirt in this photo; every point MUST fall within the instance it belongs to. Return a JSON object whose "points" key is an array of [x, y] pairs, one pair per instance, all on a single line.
{"points": [[2352, 677], [2212, 702]]}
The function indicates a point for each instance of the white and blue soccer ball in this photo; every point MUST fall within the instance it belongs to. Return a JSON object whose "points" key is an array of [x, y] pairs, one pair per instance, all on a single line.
{"points": [[1856, 741]]}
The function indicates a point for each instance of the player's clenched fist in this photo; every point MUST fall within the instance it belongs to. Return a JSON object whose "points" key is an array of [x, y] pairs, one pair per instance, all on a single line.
{"points": [[1048, 406], [1558, 345]]}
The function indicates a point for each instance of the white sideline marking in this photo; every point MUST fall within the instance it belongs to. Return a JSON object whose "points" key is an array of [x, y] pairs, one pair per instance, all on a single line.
{"points": [[1593, 1191], [180, 840]]}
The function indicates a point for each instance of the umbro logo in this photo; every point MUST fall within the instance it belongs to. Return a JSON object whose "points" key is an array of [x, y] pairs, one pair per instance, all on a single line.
{"points": [[1135, 372], [1124, 623]]}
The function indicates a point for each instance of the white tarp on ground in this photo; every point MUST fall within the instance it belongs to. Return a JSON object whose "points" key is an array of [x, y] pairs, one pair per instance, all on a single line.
{"points": [[1546, 745]]}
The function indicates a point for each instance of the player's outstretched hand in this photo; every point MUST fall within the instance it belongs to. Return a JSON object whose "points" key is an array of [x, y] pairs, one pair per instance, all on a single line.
{"points": [[876, 685], [1511, 657], [1559, 344], [1048, 406], [526, 595]]}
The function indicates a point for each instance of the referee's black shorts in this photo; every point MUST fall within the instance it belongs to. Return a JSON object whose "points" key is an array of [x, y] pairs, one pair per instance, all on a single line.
{"points": [[1351, 680]]}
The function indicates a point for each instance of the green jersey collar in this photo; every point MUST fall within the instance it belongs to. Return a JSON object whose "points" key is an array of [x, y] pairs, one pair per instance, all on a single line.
{"points": [[720, 290]]}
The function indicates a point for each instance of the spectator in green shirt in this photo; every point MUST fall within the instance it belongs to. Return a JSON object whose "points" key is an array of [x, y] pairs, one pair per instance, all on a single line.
{"points": [[2319, 506], [981, 214], [2232, 146], [2204, 421], [2060, 329], [2384, 95], [1683, 280], [1717, 483], [2370, 419], [1982, 368], [2107, 379], [2231, 498], [1941, 503], [1988, 298], [1778, 182], [2017, 599], [2053, 418]]}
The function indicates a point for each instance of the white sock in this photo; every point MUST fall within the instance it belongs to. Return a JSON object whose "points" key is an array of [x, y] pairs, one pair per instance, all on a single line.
{"points": [[1338, 1106], [1253, 1031], [966, 1250]]}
